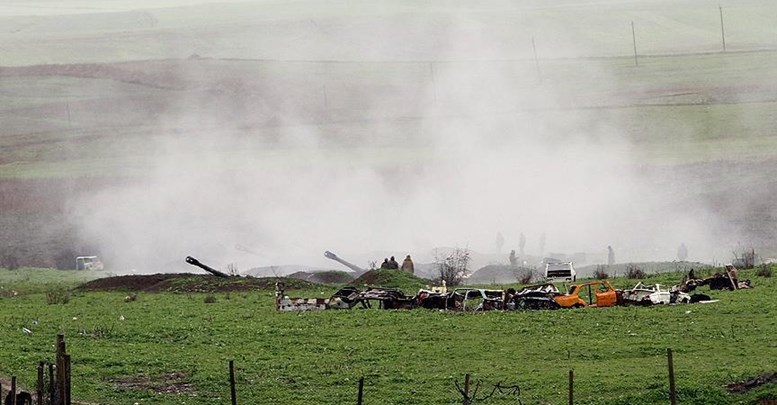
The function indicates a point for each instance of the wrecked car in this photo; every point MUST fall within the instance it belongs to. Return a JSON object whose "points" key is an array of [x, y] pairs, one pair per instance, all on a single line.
{"points": [[547, 296], [541, 296], [591, 294], [346, 298], [387, 298], [717, 281], [642, 294], [284, 303], [462, 299]]}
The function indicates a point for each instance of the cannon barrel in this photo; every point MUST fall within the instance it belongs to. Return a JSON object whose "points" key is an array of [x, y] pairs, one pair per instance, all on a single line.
{"points": [[332, 256], [211, 270]]}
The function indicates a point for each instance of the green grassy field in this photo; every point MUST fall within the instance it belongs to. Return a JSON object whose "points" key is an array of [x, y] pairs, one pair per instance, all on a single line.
{"points": [[124, 351]]}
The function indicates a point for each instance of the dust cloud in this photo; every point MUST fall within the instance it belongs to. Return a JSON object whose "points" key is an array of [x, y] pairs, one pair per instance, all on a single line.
{"points": [[366, 159]]}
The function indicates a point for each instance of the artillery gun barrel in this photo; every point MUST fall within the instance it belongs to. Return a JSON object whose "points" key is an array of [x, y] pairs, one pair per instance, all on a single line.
{"points": [[332, 256], [211, 270]]}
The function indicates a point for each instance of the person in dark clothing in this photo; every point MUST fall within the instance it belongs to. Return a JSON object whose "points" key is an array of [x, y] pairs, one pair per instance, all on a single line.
{"points": [[385, 264], [393, 264]]}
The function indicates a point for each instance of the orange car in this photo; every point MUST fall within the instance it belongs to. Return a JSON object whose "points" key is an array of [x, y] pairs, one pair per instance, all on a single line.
{"points": [[591, 294]]}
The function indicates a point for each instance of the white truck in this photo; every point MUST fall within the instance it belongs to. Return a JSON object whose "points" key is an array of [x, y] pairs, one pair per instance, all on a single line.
{"points": [[560, 272], [88, 263]]}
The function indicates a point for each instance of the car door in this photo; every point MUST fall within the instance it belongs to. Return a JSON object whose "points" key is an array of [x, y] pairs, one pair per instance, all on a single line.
{"points": [[605, 295]]}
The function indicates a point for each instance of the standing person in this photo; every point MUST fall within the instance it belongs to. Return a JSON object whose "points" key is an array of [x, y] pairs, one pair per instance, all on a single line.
{"points": [[407, 265], [522, 244], [385, 264], [610, 256], [393, 265], [682, 252], [513, 259]]}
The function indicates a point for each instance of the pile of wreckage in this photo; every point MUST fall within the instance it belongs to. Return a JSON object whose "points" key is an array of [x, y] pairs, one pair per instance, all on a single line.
{"points": [[596, 293]]}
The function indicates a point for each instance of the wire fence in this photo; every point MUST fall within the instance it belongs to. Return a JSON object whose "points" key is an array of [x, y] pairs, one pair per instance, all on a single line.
{"points": [[239, 385]]}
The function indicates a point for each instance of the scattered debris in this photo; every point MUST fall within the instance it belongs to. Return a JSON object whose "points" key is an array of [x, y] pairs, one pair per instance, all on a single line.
{"points": [[22, 398], [744, 386], [725, 280], [284, 303]]}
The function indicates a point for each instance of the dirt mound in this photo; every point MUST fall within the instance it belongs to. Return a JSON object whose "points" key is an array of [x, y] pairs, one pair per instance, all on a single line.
{"points": [[185, 282]]}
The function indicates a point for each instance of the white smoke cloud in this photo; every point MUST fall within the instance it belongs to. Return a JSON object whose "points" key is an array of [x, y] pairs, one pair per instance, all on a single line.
{"points": [[361, 163]]}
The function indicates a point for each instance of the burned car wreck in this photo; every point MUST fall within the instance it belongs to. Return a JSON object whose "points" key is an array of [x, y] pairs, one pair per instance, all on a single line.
{"points": [[654, 294], [462, 299]]}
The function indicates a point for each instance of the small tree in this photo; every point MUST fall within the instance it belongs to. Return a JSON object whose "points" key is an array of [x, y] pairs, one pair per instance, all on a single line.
{"points": [[9, 262], [744, 258], [764, 270], [634, 272], [600, 273], [525, 275], [453, 267], [233, 270]]}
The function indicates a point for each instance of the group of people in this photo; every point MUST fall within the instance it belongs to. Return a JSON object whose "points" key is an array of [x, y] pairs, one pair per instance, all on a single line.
{"points": [[391, 264]]}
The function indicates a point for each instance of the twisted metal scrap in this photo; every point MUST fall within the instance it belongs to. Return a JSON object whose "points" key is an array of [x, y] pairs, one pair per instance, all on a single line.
{"points": [[512, 390]]}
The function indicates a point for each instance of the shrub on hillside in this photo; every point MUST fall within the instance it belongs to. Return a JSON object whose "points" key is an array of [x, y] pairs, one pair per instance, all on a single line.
{"points": [[453, 268], [9, 262], [764, 270], [524, 275], [601, 273], [633, 271], [57, 296]]}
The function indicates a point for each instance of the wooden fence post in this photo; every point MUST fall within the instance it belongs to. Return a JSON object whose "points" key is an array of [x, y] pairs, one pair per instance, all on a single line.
{"points": [[67, 380], [52, 386], [232, 382], [361, 391], [60, 400], [466, 389], [571, 386], [39, 392], [12, 394], [672, 396]]}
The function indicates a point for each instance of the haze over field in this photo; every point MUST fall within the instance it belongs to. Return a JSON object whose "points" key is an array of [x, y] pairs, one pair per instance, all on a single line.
{"points": [[279, 130]]}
